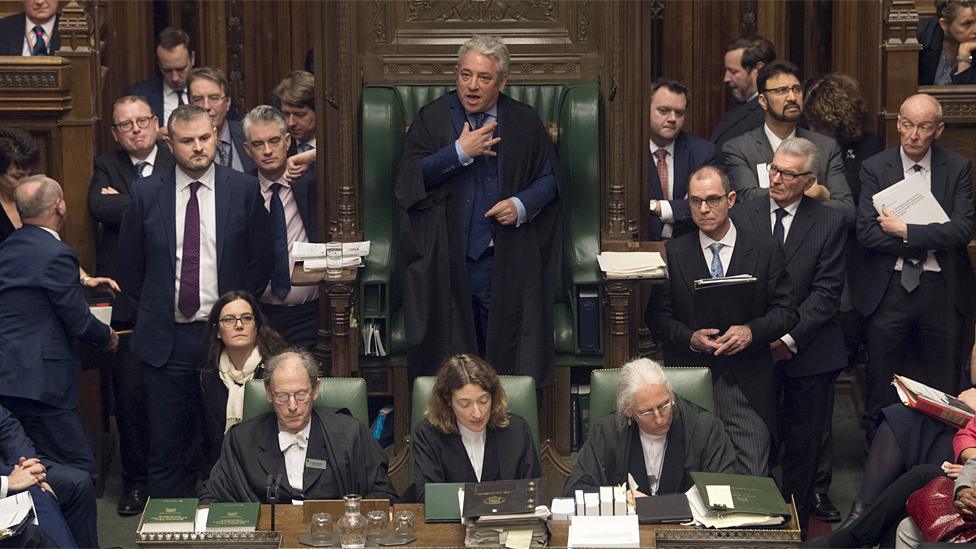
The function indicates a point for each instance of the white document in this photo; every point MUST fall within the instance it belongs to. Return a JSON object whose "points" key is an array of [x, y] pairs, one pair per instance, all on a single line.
{"points": [[713, 519], [620, 531], [632, 264], [201, 520], [301, 251], [14, 509], [720, 495], [912, 201], [762, 172]]}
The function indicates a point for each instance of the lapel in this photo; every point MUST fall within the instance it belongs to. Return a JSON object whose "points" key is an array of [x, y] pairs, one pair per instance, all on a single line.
{"points": [[302, 190], [681, 167], [801, 225], [939, 187], [222, 199], [127, 170], [458, 454], [490, 466], [156, 99], [764, 148], [743, 255], [271, 459], [15, 38], [692, 259], [673, 469], [317, 445], [166, 199]]}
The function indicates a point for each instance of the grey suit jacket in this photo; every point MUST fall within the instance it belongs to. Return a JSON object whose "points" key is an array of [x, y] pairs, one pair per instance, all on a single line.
{"points": [[742, 154]]}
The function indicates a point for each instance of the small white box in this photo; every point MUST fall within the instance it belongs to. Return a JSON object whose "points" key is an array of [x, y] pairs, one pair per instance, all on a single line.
{"points": [[592, 500], [580, 504], [563, 508], [619, 501], [606, 501]]}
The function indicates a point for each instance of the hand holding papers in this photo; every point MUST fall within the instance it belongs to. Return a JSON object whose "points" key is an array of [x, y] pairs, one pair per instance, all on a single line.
{"points": [[911, 201], [632, 265]]}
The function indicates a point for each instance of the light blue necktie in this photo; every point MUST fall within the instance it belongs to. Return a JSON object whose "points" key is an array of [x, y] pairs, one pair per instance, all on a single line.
{"points": [[716, 269]]}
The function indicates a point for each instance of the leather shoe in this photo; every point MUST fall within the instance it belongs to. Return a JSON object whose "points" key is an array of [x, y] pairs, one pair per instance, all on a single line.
{"points": [[132, 501], [857, 509], [824, 510]]}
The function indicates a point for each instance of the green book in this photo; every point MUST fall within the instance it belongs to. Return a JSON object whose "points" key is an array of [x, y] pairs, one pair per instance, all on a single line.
{"points": [[169, 515], [441, 502], [233, 517], [749, 494]]}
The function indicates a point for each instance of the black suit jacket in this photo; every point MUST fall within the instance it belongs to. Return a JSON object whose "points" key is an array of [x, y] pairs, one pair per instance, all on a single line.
{"points": [[148, 266], [737, 121], [304, 191], [251, 452], [952, 182], [690, 153], [12, 35], [671, 313], [814, 253], [237, 137], [152, 90], [930, 36]]}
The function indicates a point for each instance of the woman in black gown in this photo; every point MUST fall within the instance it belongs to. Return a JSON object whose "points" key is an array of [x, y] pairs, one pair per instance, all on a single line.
{"points": [[18, 157], [468, 435]]}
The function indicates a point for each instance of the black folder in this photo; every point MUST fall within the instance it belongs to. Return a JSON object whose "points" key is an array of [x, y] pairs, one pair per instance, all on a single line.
{"points": [[724, 302], [663, 509]]}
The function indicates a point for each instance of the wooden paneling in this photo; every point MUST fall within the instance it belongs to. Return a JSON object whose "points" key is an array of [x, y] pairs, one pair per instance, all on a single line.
{"points": [[856, 50], [281, 33], [128, 56]]}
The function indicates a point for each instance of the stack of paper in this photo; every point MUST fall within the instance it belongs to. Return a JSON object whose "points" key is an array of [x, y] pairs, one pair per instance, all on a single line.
{"points": [[632, 264], [372, 340], [515, 531], [313, 254], [612, 531], [711, 518], [911, 200]]}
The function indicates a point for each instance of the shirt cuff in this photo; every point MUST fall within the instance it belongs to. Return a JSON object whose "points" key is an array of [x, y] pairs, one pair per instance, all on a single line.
{"points": [[667, 215], [462, 158], [789, 341], [3, 486], [521, 210]]}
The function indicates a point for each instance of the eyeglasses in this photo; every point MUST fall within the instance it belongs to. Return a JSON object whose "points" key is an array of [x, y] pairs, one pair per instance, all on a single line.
{"points": [[301, 397], [788, 177], [230, 321], [660, 410], [712, 201], [908, 126], [783, 90], [200, 99], [484, 77], [142, 122]]}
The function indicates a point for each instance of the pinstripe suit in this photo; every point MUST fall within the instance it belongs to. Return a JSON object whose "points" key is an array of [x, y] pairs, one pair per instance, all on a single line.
{"points": [[744, 383], [814, 251]]}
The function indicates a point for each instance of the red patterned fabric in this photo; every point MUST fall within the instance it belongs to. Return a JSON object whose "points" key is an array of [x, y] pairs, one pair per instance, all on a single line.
{"points": [[932, 509]]}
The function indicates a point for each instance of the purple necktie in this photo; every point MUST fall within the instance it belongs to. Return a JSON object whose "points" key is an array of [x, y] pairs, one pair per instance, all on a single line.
{"points": [[40, 47], [190, 267]]}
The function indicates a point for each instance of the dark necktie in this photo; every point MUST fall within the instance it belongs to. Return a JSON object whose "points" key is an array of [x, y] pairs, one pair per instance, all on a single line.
{"points": [[280, 278], [189, 301], [179, 98], [779, 231], [478, 120], [911, 269], [661, 161], [223, 153], [304, 147], [40, 47], [140, 169]]}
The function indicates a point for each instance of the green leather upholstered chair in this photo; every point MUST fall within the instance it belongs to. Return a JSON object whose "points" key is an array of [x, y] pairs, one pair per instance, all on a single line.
{"points": [[694, 384], [334, 392], [521, 400]]}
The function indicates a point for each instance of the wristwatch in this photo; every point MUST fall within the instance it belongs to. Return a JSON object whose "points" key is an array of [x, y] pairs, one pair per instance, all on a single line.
{"points": [[652, 205], [964, 58], [84, 278]]}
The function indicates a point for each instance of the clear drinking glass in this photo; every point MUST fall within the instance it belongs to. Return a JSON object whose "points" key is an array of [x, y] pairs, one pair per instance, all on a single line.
{"points": [[333, 259], [377, 525], [351, 527], [321, 529], [404, 526]]}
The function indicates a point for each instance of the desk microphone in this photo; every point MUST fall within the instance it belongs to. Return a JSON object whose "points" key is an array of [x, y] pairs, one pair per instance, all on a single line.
{"points": [[271, 487]]}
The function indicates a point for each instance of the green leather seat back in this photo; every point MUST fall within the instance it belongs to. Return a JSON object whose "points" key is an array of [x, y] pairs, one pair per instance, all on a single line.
{"points": [[334, 392], [521, 400], [694, 384]]}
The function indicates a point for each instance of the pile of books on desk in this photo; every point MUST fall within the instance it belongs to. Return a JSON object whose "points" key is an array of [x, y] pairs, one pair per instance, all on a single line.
{"points": [[504, 513]]}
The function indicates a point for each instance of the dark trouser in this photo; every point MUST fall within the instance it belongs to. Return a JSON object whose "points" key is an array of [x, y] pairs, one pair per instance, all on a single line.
{"points": [[479, 280], [926, 318], [825, 461], [174, 402], [131, 417], [57, 433], [804, 407], [749, 433], [76, 499], [297, 324]]}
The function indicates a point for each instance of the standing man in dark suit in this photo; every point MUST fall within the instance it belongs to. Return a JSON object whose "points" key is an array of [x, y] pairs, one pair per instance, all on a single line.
{"points": [[744, 58], [210, 90], [32, 32], [746, 156], [293, 311], [808, 357], [191, 233], [674, 155], [297, 95], [916, 283], [740, 358], [42, 308], [135, 129], [167, 90]]}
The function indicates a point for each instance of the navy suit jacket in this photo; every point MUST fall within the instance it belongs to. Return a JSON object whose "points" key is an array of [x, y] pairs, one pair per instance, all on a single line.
{"points": [[42, 307], [152, 90], [148, 267], [12, 35], [814, 251], [737, 121], [690, 154], [952, 181]]}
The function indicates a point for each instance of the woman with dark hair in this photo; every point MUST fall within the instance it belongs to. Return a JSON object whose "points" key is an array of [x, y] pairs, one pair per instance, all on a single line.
{"points": [[238, 340], [18, 158], [948, 41], [468, 435]]}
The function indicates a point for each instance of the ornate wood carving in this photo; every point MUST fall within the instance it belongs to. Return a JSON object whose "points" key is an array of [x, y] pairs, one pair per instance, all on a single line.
{"points": [[29, 80], [901, 22], [235, 54], [75, 28], [427, 70], [379, 21], [481, 11], [583, 21]]}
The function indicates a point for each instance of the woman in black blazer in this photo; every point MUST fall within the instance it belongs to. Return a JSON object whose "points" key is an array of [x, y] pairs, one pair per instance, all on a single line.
{"points": [[948, 42], [468, 434]]}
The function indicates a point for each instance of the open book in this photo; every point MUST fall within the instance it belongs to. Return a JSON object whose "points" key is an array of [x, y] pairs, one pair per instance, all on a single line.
{"points": [[932, 402]]}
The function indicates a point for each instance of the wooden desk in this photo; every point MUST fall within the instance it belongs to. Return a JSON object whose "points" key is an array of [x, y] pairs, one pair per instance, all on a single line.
{"points": [[341, 351], [621, 345], [291, 522]]}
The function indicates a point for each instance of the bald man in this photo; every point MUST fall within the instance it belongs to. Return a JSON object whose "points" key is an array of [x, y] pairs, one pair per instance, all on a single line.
{"points": [[915, 285], [42, 308]]}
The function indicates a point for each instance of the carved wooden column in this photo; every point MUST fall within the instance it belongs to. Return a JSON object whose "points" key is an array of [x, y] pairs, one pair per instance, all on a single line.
{"points": [[899, 66]]}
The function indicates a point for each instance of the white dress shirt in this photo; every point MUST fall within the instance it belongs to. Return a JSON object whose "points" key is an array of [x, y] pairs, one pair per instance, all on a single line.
{"points": [[787, 223], [653, 447], [295, 231], [725, 254], [208, 241], [930, 264], [29, 35], [50, 232], [774, 140], [474, 445], [294, 454], [150, 161], [667, 215], [171, 100]]}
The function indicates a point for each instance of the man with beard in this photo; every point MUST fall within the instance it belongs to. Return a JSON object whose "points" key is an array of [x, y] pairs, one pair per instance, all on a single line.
{"points": [[746, 157], [744, 58], [191, 233]]}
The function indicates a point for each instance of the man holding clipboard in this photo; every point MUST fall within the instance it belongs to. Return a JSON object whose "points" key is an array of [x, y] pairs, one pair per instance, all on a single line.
{"points": [[915, 281], [738, 353]]}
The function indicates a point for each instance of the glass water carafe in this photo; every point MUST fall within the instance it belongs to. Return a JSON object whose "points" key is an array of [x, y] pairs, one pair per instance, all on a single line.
{"points": [[352, 526]]}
